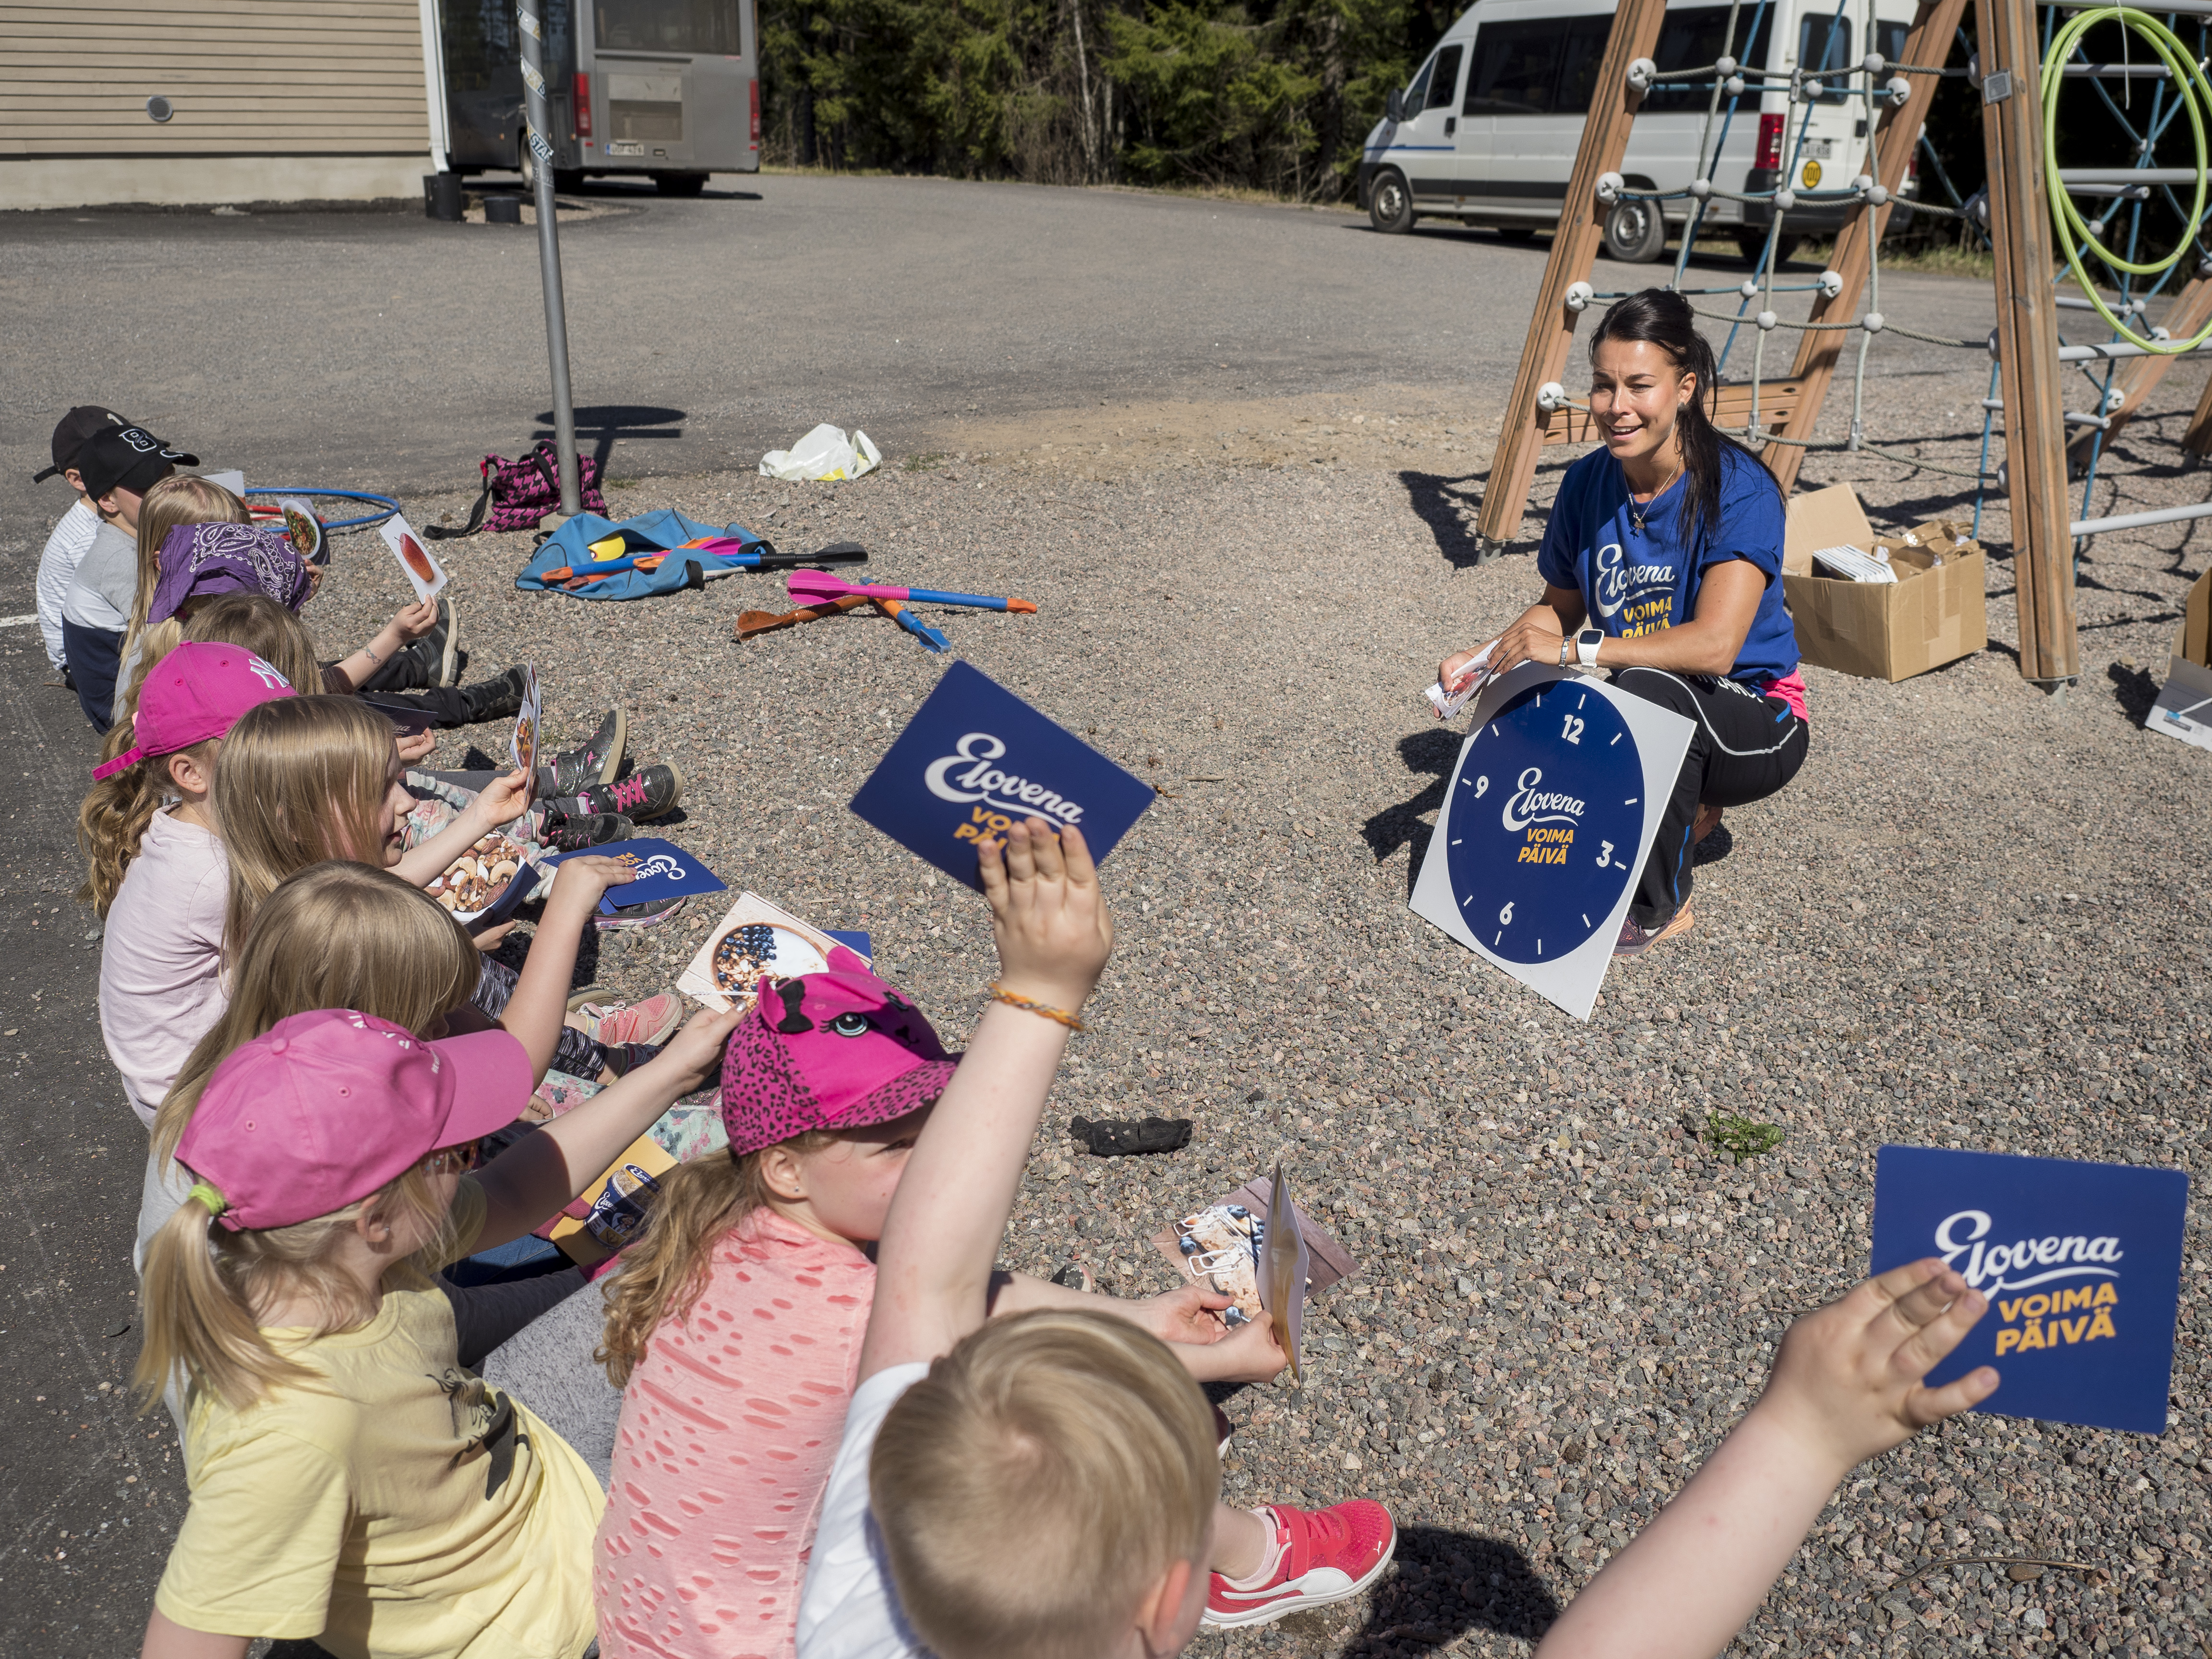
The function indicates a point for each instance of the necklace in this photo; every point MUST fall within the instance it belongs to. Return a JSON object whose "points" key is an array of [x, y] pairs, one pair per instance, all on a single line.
{"points": [[1635, 514]]}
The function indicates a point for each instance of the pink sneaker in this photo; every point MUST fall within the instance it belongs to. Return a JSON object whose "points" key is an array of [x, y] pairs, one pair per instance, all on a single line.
{"points": [[1320, 1555], [653, 1020]]}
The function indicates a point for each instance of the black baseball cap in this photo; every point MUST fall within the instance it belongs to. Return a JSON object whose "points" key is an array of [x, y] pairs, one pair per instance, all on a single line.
{"points": [[127, 457], [70, 433]]}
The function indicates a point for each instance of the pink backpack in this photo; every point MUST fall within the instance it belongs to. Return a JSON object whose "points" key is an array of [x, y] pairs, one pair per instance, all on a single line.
{"points": [[517, 494]]}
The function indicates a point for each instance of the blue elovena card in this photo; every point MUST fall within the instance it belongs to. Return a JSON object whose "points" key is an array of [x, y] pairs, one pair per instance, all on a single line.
{"points": [[2081, 1264], [664, 870], [975, 759]]}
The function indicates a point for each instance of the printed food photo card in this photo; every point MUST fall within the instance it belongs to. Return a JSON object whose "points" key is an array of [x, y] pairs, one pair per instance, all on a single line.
{"points": [[755, 939], [424, 573]]}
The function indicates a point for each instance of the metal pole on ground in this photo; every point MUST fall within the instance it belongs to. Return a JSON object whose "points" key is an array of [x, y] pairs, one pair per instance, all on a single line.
{"points": [[2028, 337], [548, 252], [1574, 246]]}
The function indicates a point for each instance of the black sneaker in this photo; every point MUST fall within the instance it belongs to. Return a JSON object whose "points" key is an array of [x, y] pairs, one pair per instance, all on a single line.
{"points": [[493, 699], [649, 793], [600, 761], [561, 832]]}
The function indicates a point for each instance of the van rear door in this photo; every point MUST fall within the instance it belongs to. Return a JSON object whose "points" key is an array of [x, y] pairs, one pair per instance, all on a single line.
{"points": [[1822, 144]]}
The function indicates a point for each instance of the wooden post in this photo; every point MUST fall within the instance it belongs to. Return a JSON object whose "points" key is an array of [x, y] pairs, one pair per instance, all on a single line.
{"points": [[2138, 377], [1574, 247], [2197, 440], [2027, 342], [1929, 43]]}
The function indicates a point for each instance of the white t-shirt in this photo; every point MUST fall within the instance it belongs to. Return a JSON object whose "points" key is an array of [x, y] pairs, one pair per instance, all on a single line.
{"points": [[106, 584], [161, 960], [848, 1609], [73, 533]]}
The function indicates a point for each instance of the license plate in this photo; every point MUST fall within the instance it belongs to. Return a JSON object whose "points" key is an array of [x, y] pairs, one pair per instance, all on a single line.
{"points": [[1818, 149], [636, 147]]}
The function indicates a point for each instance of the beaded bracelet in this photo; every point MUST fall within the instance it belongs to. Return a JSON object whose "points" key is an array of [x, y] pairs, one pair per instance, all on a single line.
{"points": [[1000, 994]]}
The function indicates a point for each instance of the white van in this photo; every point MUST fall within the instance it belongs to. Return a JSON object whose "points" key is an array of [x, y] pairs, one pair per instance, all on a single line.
{"points": [[1487, 132]]}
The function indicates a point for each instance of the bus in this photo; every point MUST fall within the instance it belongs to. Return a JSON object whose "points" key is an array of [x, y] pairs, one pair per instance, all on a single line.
{"points": [[667, 90]]}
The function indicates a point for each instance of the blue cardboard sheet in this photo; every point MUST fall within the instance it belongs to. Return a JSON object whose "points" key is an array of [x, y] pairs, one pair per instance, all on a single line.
{"points": [[975, 759], [2082, 1264], [664, 870]]}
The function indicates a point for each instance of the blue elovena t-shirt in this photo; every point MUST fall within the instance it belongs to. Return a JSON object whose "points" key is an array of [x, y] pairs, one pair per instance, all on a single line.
{"points": [[1638, 581]]}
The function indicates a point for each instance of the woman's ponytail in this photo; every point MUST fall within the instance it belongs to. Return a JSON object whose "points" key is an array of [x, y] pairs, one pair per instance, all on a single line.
{"points": [[1664, 318]]}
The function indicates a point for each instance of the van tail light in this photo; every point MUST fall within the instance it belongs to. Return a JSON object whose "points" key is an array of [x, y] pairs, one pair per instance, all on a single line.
{"points": [[756, 85], [583, 105], [1770, 140]]}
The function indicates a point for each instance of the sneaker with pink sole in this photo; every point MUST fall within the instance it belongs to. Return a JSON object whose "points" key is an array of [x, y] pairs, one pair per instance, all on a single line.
{"points": [[1315, 1557], [653, 1020]]}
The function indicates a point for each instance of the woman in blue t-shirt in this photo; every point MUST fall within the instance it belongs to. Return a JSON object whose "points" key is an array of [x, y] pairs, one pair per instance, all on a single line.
{"points": [[1662, 563]]}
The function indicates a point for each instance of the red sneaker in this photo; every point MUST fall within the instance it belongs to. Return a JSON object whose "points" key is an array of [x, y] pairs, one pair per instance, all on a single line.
{"points": [[1320, 1556]]}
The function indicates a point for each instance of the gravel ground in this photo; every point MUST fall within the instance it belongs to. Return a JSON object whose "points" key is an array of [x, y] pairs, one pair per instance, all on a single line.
{"points": [[1975, 921]]}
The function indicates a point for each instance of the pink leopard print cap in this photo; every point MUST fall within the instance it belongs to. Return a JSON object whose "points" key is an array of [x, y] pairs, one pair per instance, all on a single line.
{"points": [[836, 1050]]}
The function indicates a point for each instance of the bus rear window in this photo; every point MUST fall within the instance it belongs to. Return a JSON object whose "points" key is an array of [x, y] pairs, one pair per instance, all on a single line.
{"points": [[704, 26]]}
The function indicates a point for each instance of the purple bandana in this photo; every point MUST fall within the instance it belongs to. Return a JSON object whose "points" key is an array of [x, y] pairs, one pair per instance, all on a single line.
{"points": [[198, 560]]}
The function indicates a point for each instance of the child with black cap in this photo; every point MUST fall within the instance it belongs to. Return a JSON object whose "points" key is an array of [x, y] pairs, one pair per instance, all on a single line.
{"points": [[115, 467], [73, 531]]}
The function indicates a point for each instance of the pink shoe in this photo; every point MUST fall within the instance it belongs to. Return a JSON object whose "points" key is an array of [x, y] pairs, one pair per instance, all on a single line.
{"points": [[1320, 1555], [653, 1020]]}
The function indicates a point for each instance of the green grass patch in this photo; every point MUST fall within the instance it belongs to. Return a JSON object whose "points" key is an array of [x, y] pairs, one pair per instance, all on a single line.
{"points": [[926, 461], [1742, 1138]]}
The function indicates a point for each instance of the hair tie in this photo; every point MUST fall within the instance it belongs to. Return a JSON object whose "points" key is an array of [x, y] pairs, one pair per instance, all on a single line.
{"points": [[215, 1201]]}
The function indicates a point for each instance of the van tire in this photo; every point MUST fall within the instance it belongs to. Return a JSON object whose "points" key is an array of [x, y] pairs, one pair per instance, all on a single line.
{"points": [[679, 184], [1635, 232], [1515, 233], [1389, 203], [1751, 243]]}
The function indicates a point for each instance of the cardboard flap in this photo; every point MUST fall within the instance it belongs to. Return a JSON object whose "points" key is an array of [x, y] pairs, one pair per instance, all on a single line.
{"points": [[1823, 518], [2197, 625]]}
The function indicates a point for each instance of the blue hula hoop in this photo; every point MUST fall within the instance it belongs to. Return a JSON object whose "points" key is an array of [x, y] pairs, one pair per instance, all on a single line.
{"points": [[385, 502]]}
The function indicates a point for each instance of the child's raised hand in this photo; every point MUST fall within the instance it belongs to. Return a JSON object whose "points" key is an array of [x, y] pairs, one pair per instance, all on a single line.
{"points": [[1047, 913], [1848, 1380], [412, 621], [696, 1052], [580, 883], [501, 802]]}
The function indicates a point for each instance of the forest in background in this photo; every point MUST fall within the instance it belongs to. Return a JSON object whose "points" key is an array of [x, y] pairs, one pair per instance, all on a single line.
{"points": [[1275, 96]]}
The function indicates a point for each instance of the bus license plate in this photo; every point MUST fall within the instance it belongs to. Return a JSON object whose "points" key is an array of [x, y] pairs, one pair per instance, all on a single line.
{"points": [[625, 146]]}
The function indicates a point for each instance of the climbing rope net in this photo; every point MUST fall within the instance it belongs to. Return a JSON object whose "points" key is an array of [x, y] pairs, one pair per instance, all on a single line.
{"points": [[2179, 90]]}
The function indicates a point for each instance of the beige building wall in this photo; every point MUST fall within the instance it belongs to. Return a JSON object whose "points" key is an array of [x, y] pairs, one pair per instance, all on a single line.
{"points": [[272, 100]]}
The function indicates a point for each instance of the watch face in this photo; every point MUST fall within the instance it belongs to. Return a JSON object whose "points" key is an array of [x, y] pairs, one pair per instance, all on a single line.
{"points": [[1547, 814]]}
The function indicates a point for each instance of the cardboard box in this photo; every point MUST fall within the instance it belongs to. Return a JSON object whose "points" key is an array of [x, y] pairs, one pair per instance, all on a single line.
{"points": [[1932, 614], [2194, 642]]}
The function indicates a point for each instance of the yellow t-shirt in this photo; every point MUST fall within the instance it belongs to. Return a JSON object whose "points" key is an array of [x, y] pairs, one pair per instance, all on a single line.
{"points": [[411, 1512]]}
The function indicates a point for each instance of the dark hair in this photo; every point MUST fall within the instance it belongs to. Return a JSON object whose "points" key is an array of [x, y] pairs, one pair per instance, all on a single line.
{"points": [[1665, 320]]}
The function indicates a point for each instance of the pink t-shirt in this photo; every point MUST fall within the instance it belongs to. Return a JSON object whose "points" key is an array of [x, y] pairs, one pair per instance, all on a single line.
{"points": [[1790, 687], [160, 957], [728, 1430]]}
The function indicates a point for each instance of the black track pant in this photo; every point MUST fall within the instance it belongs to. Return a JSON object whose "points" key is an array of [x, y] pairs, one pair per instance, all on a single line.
{"points": [[1745, 748]]}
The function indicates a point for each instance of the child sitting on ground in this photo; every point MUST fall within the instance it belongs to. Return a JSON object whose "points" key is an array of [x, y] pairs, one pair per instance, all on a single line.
{"points": [[117, 464], [736, 1322], [155, 874], [73, 531], [322, 778], [1046, 1483], [997, 1495], [405, 961], [350, 1481]]}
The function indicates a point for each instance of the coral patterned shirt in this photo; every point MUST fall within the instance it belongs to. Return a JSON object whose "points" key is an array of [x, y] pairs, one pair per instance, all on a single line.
{"points": [[728, 1430]]}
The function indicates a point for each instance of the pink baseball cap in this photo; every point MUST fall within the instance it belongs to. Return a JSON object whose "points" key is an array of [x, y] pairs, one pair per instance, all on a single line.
{"points": [[836, 1050], [326, 1107], [195, 692]]}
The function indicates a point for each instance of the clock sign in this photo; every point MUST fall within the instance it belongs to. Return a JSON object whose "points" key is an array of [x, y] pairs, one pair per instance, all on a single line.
{"points": [[1554, 802]]}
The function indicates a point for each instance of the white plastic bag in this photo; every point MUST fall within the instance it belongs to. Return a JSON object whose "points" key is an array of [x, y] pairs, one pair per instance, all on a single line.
{"points": [[824, 455]]}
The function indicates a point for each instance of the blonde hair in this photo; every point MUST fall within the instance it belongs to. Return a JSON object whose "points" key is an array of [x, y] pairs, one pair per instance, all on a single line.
{"points": [[664, 1272], [1038, 1480], [303, 780], [256, 622], [401, 959], [111, 822], [205, 1287], [180, 499]]}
